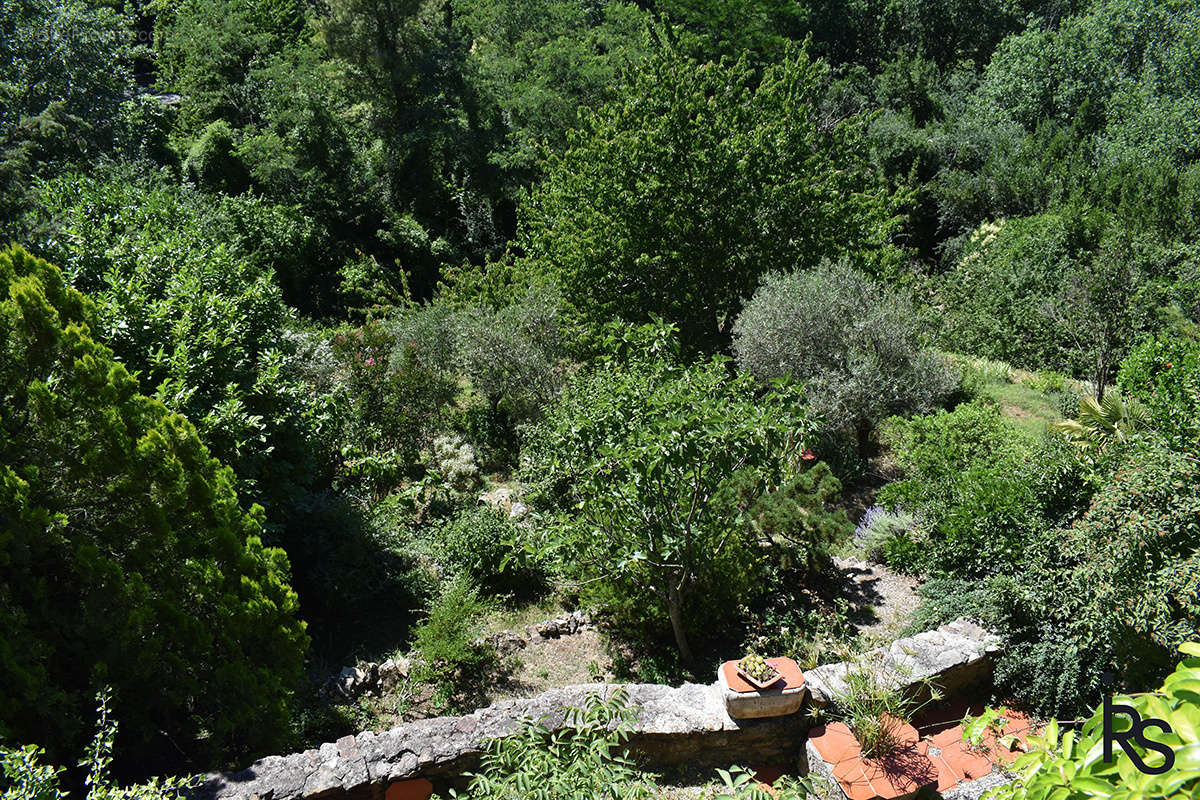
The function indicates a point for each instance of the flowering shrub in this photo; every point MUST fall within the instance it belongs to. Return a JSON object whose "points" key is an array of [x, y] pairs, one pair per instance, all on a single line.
{"points": [[455, 460]]}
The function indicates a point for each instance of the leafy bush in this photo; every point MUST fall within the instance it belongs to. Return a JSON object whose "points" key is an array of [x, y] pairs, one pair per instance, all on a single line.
{"points": [[1107, 592], [391, 398], [855, 345], [581, 761], [1067, 764], [483, 546], [675, 485], [512, 354], [585, 759], [454, 459], [964, 477], [890, 537], [126, 556], [748, 176], [995, 297], [187, 298], [1163, 372], [66, 69], [212, 162], [25, 778]]}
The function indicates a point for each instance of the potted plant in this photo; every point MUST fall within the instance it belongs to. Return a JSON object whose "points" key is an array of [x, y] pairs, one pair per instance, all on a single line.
{"points": [[755, 671]]}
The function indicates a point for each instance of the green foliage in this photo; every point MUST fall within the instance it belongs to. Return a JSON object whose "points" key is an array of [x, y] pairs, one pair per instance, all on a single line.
{"points": [[995, 297], [212, 163], [450, 640], [965, 478], [887, 537], [675, 485], [991, 720], [27, 779], [483, 546], [853, 343], [582, 760], [739, 783], [1099, 424], [208, 50], [513, 354], [1069, 763], [871, 705], [392, 393], [1104, 593], [65, 70], [540, 62], [127, 557], [187, 300], [1163, 373], [1135, 549], [677, 197]]}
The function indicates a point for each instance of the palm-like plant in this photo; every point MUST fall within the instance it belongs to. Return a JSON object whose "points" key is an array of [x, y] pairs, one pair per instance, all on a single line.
{"points": [[1100, 423]]}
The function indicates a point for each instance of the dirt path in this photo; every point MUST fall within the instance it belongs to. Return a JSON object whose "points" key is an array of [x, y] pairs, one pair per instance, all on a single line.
{"points": [[881, 601]]}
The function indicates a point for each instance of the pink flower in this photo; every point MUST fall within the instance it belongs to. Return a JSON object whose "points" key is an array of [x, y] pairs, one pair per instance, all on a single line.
{"points": [[371, 361]]}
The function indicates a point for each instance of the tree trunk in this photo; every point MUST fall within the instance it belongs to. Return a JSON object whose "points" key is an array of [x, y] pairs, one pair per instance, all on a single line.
{"points": [[675, 610], [863, 440]]}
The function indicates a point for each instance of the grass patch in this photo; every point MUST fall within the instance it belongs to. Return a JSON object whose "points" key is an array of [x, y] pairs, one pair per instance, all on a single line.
{"points": [[1024, 405]]}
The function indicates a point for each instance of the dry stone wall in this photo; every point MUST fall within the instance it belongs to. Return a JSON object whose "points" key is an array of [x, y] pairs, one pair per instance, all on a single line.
{"points": [[675, 725]]}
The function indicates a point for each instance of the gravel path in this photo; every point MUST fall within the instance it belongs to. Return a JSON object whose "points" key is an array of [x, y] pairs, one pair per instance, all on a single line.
{"points": [[881, 601]]}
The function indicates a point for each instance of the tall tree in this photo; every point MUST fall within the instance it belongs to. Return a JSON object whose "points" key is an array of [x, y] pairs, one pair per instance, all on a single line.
{"points": [[677, 197]]}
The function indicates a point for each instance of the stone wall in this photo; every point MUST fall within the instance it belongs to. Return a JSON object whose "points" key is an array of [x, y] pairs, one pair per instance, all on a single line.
{"points": [[954, 656], [675, 725]]}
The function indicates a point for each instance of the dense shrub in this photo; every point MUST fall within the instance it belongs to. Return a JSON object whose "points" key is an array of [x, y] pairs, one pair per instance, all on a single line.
{"points": [[1068, 766], [66, 69], [126, 557], [888, 537], [979, 487], [450, 638], [582, 761], [481, 544], [212, 163], [391, 400], [996, 296], [675, 486], [1163, 372], [855, 344], [1115, 591], [187, 299], [513, 354]]}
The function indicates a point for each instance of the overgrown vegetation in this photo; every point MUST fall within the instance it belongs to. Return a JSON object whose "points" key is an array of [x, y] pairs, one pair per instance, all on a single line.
{"points": [[368, 323]]}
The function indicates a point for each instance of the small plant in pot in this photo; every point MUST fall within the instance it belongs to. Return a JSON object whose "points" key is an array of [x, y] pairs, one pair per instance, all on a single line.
{"points": [[757, 672]]}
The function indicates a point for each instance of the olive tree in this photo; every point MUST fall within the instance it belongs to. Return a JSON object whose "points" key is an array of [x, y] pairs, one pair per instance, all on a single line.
{"points": [[855, 343], [512, 354]]}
